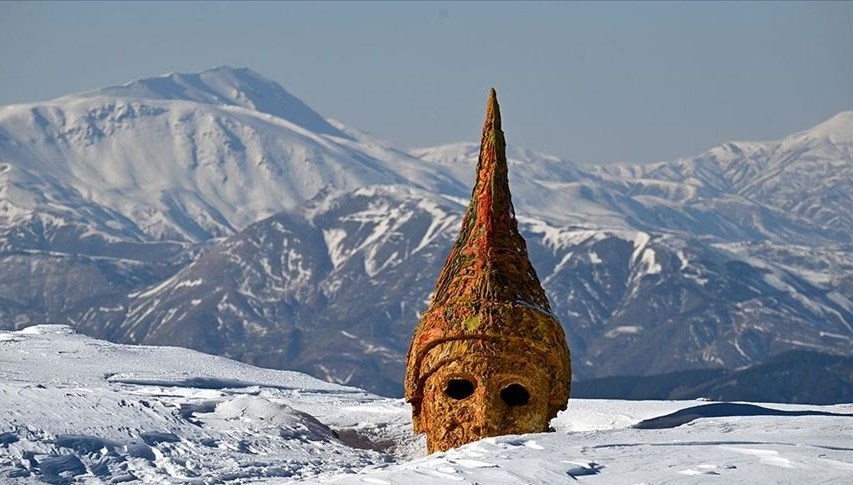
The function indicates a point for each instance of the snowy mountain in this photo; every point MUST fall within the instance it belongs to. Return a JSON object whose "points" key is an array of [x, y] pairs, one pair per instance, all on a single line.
{"points": [[217, 211], [79, 410], [226, 86], [807, 174], [288, 293], [179, 157]]}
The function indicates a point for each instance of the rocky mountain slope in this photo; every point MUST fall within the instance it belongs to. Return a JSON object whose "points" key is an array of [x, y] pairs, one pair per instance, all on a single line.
{"points": [[218, 212]]}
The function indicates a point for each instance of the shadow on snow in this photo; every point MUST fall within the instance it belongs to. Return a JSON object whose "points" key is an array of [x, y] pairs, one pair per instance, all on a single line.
{"points": [[720, 410]]}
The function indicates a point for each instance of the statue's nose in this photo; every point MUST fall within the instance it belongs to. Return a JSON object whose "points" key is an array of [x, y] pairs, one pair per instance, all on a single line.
{"points": [[487, 420]]}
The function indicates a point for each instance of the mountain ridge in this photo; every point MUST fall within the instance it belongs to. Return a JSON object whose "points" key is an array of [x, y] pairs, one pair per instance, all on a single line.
{"points": [[212, 223], [225, 85], [176, 170]]}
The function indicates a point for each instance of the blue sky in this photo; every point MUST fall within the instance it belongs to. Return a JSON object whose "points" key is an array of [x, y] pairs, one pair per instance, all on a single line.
{"points": [[590, 82]]}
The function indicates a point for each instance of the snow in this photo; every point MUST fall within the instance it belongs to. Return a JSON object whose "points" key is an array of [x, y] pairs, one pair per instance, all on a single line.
{"points": [[153, 291], [75, 408], [440, 222], [623, 330], [185, 156], [191, 156], [189, 283], [838, 129], [840, 300], [649, 264], [643, 255], [334, 241], [560, 238]]}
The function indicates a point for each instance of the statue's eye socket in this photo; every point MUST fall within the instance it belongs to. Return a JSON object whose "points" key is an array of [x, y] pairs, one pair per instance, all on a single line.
{"points": [[515, 395], [459, 388]]}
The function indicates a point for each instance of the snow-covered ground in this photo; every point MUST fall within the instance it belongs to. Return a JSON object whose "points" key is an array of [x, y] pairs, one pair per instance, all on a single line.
{"points": [[75, 409]]}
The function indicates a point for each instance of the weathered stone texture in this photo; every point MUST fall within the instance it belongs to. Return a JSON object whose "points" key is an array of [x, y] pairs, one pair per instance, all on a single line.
{"points": [[488, 357]]}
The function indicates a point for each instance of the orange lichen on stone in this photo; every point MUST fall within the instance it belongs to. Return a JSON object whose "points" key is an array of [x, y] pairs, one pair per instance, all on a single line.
{"points": [[488, 357]]}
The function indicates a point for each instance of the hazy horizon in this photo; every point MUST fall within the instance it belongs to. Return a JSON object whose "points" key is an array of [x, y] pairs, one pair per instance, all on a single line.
{"points": [[592, 83]]}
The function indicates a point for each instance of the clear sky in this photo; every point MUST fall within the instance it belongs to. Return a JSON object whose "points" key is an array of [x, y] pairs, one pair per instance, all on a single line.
{"points": [[590, 82]]}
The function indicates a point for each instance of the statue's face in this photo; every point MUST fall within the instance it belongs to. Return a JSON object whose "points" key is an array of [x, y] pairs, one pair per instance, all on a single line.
{"points": [[478, 396]]}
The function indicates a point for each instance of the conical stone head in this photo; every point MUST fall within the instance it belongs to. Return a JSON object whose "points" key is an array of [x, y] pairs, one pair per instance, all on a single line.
{"points": [[488, 357]]}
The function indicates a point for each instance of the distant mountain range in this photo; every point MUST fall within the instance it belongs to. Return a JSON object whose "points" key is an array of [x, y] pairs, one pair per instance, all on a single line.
{"points": [[217, 211], [795, 376]]}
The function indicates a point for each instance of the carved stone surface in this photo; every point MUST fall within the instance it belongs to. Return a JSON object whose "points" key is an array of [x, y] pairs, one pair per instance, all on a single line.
{"points": [[488, 357]]}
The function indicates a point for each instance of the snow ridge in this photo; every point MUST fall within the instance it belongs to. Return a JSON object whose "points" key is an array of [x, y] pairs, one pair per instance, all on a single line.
{"points": [[165, 414]]}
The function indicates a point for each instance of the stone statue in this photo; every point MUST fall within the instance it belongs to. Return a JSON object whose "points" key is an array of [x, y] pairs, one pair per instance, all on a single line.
{"points": [[488, 357]]}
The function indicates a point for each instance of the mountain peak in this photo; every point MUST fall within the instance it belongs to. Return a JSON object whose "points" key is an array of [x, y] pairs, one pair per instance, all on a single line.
{"points": [[226, 85], [838, 129]]}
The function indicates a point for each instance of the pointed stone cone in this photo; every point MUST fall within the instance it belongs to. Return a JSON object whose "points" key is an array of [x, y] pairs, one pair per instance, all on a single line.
{"points": [[488, 298], [489, 261]]}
